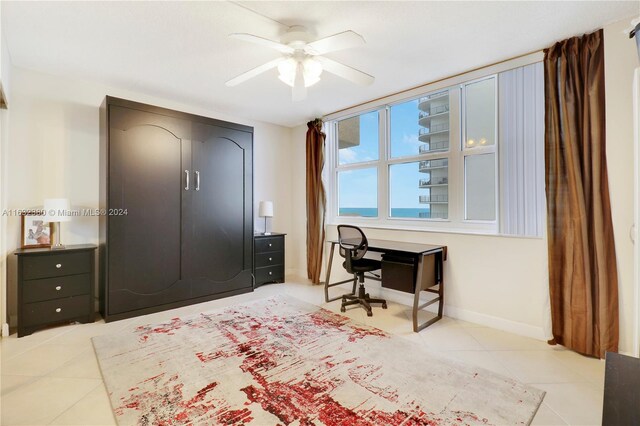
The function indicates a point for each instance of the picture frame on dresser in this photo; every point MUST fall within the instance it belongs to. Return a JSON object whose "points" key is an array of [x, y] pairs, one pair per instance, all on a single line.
{"points": [[35, 231]]}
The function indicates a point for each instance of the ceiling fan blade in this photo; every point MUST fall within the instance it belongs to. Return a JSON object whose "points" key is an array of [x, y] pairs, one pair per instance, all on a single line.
{"points": [[263, 42], [340, 41], [346, 72], [254, 72], [299, 91]]}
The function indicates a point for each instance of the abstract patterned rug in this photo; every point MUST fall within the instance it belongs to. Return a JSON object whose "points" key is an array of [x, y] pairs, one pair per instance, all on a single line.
{"points": [[280, 361]]}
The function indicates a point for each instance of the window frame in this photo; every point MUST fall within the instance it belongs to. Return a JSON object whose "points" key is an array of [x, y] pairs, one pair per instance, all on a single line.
{"points": [[456, 221], [390, 161], [331, 152], [480, 150], [436, 83]]}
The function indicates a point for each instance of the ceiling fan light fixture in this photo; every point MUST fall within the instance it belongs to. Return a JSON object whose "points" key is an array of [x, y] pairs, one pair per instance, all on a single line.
{"points": [[311, 71], [302, 61], [287, 70]]}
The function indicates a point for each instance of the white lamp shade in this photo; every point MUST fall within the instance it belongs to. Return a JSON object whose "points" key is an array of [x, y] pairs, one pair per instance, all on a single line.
{"points": [[57, 210], [265, 209]]}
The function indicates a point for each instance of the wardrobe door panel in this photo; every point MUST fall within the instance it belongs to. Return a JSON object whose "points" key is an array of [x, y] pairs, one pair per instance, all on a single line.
{"points": [[146, 177], [218, 237]]}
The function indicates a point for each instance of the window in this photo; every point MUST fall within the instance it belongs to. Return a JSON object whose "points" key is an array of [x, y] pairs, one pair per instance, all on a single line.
{"points": [[357, 173], [479, 148], [434, 161], [358, 139], [420, 126], [358, 192], [479, 184], [419, 129]]}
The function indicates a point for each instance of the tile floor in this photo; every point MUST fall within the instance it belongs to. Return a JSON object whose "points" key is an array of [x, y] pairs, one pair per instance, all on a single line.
{"points": [[52, 376]]}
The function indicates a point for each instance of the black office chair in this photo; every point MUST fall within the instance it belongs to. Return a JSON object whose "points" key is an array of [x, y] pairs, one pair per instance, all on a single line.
{"points": [[353, 246]]}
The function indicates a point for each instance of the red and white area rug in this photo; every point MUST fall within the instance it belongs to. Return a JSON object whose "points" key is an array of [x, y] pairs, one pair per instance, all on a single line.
{"points": [[280, 361]]}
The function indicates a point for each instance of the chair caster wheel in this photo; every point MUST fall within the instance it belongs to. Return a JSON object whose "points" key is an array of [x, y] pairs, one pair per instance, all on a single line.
{"points": [[384, 306], [369, 314], [343, 309]]}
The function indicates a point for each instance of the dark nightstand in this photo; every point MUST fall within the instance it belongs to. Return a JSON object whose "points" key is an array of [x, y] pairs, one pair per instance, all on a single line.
{"points": [[55, 286], [268, 258]]}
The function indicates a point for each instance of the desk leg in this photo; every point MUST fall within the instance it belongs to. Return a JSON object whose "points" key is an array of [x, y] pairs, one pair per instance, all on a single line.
{"points": [[416, 297], [440, 260], [327, 282], [327, 278]]}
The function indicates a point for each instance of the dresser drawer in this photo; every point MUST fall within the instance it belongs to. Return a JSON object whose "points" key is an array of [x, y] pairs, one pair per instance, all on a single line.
{"points": [[269, 259], [52, 311], [55, 288], [270, 273], [266, 244], [56, 265]]}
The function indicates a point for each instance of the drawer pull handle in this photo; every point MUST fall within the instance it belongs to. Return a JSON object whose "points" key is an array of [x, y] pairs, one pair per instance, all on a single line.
{"points": [[58, 265], [270, 259], [58, 287], [58, 309], [270, 273], [270, 244]]}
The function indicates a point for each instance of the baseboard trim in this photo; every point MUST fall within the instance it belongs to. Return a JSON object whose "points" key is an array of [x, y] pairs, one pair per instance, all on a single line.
{"points": [[5, 330], [498, 323], [510, 326], [296, 273]]}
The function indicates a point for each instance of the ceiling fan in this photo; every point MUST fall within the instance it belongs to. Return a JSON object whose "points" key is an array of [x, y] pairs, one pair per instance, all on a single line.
{"points": [[302, 63]]}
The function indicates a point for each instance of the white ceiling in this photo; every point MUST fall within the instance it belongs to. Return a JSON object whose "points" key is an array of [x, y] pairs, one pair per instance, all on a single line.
{"points": [[180, 50]]}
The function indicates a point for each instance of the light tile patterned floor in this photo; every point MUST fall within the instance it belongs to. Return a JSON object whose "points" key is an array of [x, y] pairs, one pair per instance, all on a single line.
{"points": [[52, 376]]}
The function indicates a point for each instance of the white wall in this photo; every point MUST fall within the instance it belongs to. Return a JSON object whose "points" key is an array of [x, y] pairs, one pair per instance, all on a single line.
{"points": [[621, 59], [503, 281], [5, 80], [54, 152]]}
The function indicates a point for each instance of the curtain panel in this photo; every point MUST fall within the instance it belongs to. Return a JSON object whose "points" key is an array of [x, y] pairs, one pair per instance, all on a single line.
{"points": [[583, 277], [316, 199]]}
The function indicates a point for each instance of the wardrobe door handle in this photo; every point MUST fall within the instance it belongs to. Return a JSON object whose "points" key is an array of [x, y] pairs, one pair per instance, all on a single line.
{"points": [[197, 180], [186, 187]]}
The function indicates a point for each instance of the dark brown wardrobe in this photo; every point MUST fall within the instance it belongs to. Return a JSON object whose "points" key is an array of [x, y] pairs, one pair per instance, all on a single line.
{"points": [[177, 197]]}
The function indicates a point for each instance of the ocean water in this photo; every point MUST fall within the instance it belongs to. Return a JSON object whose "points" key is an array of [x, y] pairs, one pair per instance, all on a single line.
{"points": [[373, 212]]}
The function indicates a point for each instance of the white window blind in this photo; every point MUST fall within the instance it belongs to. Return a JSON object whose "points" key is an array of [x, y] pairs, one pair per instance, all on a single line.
{"points": [[521, 134]]}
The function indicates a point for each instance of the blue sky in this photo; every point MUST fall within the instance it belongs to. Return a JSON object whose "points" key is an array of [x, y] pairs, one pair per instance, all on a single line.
{"points": [[358, 188]]}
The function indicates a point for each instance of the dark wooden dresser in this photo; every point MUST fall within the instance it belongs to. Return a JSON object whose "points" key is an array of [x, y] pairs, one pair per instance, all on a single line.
{"points": [[55, 286], [268, 252]]}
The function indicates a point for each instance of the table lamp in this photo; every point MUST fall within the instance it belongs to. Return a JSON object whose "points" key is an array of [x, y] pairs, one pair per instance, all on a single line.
{"points": [[265, 210], [56, 211]]}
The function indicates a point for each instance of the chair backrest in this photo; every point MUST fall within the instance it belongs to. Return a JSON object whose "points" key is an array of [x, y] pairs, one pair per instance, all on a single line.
{"points": [[353, 242]]}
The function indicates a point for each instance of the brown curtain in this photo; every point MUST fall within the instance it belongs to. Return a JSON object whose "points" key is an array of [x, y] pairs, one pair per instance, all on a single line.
{"points": [[583, 277], [316, 199]]}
